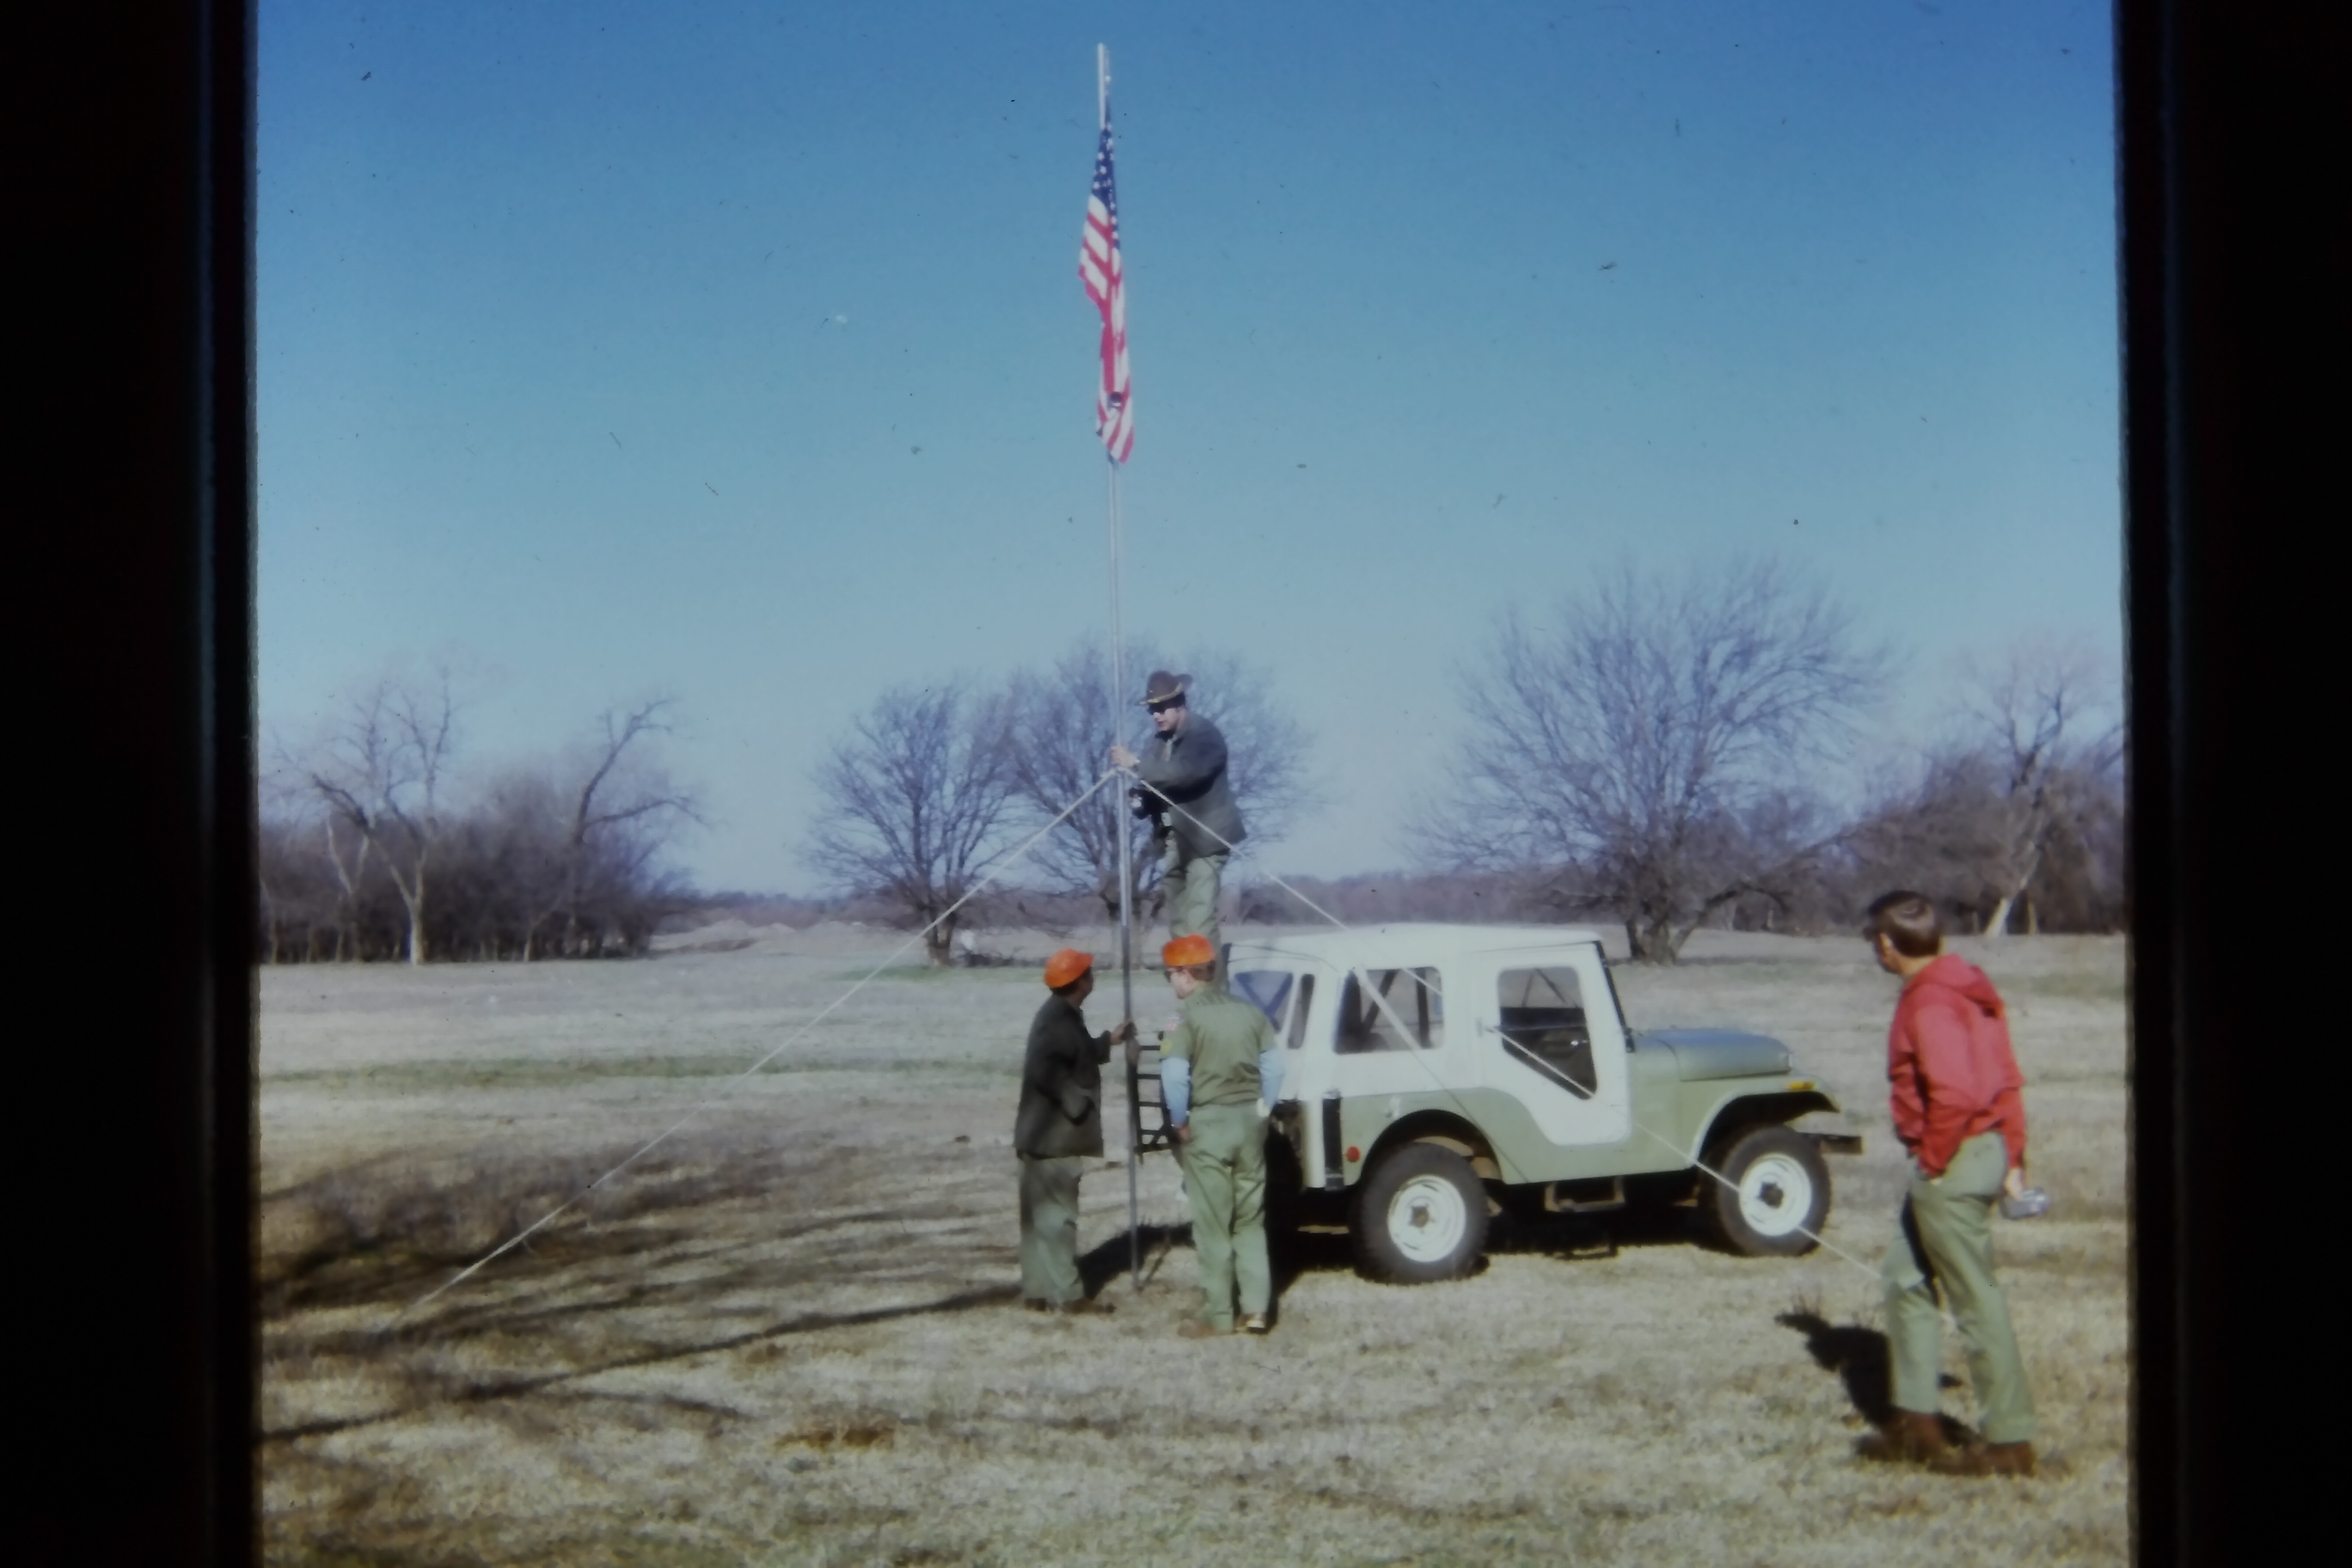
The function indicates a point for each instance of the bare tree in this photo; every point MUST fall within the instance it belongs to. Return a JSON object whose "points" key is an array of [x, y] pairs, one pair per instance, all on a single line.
{"points": [[2018, 808], [381, 774], [2050, 723], [914, 801], [622, 801], [1645, 751], [1065, 719]]}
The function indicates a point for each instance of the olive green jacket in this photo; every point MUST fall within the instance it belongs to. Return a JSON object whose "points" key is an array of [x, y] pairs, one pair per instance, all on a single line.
{"points": [[1187, 768], [1061, 1086], [1221, 1036]]}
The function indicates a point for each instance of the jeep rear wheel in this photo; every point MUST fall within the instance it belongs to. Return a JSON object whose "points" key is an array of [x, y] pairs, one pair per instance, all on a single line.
{"points": [[1780, 1192], [1420, 1216]]}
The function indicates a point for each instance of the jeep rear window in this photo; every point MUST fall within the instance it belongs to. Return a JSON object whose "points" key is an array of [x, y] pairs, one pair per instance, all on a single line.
{"points": [[1272, 990], [1544, 1025], [1269, 988], [1414, 999]]}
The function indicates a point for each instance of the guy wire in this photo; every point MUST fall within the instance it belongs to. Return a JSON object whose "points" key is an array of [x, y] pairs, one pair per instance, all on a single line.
{"points": [[737, 1082]]}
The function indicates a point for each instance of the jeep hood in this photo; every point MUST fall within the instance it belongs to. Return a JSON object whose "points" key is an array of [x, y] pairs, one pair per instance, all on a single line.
{"points": [[1716, 1052]]}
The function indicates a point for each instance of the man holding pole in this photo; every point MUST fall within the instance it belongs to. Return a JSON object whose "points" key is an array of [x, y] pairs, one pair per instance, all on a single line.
{"points": [[1220, 1074], [1189, 800], [1057, 1130]]}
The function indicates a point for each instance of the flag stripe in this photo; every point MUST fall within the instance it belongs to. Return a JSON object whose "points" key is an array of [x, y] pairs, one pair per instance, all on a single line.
{"points": [[1103, 274]]}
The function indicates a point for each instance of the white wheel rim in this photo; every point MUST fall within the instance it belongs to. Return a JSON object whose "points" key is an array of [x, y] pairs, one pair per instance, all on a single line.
{"points": [[1427, 1219], [1776, 1194]]}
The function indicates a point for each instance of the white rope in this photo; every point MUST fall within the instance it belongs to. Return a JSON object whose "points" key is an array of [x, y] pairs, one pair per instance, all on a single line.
{"points": [[1381, 1001], [736, 1082]]}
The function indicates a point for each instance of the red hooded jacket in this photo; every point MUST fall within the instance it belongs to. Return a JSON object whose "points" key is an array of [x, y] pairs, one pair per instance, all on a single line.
{"points": [[1952, 1071]]}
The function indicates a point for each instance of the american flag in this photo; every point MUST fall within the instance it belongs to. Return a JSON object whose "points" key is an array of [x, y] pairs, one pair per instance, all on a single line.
{"points": [[1099, 270]]}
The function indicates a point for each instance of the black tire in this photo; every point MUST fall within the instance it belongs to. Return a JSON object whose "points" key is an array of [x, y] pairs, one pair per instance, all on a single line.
{"points": [[1420, 1216], [1780, 1191]]}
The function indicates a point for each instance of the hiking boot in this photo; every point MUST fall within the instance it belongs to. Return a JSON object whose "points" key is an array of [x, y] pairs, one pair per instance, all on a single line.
{"points": [[1194, 1329], [1036, 1304], [1992, 1459], [1907, 1438], [1086, 1306], [1255, 1324]]}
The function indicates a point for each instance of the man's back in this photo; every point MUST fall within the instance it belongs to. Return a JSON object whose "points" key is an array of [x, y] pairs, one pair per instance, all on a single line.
{"points": [[1221, 1036]]}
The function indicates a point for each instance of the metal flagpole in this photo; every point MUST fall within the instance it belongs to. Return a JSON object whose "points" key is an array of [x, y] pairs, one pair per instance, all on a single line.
{"points": [[1120, 826], [1123, 846]]}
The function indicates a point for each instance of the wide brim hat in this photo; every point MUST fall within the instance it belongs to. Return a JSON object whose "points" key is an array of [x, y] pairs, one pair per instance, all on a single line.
{"points": [[1065, 966], [1164, 688]]}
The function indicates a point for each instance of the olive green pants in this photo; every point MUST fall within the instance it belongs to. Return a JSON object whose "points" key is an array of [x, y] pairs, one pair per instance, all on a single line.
{"points": [[1946, 1242], [1049, 1229], [1191, 889], [1224, 1176]]}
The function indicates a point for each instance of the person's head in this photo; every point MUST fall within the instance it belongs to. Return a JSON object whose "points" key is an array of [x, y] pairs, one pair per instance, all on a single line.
{"points": [[1164, 695], [1070, 974], [1904, 931], [1192, 962]]}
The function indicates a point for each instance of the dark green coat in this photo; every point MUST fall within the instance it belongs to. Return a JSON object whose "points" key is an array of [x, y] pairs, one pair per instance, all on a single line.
{"points": [[1188, 769], [1060, 1085]]}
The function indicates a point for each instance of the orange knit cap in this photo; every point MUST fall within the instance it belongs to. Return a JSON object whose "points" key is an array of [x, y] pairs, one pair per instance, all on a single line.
{"points": [[1187, 951], [1065, 966]]}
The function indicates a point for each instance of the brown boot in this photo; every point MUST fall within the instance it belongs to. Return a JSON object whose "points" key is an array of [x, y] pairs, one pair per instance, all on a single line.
{"points": [[1194, 1329], [1908, 1437], [1992, 1459], [1086, 1306]]}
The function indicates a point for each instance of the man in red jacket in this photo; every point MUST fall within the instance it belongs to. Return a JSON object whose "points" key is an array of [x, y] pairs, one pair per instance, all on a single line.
{"points": [[1955, 1088]]}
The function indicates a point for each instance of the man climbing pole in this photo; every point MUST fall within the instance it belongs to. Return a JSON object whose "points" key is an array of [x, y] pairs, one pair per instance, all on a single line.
{"points": [[1190, 801]]}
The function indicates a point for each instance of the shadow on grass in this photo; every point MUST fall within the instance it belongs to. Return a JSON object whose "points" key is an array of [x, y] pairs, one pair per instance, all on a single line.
{"points": [[385, 1229], [1151, 1244], [478, 1392], [1863, 1363]]}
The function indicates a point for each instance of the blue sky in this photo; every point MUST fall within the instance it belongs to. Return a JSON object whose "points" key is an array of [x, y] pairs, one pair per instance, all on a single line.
{"points": [[737, 350]]}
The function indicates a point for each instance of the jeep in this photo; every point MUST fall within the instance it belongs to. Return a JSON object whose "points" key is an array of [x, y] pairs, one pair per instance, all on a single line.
{"points": [[1437, 1074]]}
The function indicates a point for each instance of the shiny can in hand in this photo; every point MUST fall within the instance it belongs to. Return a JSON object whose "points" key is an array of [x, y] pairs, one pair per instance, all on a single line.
{"points": [[2025, 1205]]}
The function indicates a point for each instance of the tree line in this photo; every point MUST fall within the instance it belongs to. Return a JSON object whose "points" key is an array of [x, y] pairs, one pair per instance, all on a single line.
{"points": [[373, 847], [936, 787], [1663, 752], [1673, 752]]}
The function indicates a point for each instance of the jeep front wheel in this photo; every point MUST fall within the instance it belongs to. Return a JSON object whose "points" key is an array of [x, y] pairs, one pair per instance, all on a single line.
{"points": [[1420, 1216], [1778, 1195]]}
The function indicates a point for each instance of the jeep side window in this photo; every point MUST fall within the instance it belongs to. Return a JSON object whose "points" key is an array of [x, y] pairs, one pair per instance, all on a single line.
{"points": [[1544, 1025], [1413, 996], [1269, 988], [1299, 1011]]}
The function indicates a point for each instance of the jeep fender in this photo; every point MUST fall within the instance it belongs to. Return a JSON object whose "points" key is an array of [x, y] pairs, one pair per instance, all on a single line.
{"points": [[1446, 1131], [1739, 1112]]}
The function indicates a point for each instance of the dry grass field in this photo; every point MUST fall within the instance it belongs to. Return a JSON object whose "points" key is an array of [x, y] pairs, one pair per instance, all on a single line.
{"points": [[789, 1335]]}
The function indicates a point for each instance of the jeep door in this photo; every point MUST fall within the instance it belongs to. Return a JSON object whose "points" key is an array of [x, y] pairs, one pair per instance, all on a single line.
{"points": [[1548, 1019]]}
